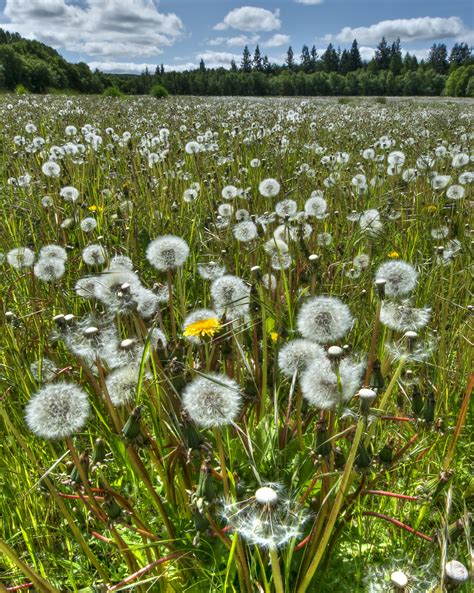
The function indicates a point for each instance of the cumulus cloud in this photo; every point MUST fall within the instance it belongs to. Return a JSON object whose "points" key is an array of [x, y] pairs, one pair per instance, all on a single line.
{"points": [[309, 2], [250, 19], [216, 59], [277, 40], [415, 29], [103, 28], [238, 41], [134, 68]]}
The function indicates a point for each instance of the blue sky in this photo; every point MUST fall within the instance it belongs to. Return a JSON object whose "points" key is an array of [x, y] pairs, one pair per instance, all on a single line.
{"points": [[127, 35]]}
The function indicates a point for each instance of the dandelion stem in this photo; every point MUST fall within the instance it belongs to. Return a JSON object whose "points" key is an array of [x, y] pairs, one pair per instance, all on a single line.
{"points": [[373, 343], [275, 562], [220, 450], [38, 580]]}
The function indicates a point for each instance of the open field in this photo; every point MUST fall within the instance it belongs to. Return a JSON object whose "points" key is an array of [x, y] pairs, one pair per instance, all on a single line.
{"points": [[236, 345]]}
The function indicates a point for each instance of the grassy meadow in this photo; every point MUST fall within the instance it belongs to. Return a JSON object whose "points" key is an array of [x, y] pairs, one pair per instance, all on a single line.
{"points": [[236, 345]]}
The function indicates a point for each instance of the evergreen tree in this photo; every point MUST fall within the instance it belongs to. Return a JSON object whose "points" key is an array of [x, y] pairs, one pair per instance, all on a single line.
{"points": [[267, 67], [383, 53], [257, 59], [202, 65], [290, 58], [314, 58], [396, 61], [233, 65], [305, 59], [345, 62], [330, 59], [246, 63], [438, 58], [460, 54], [356, 60]]}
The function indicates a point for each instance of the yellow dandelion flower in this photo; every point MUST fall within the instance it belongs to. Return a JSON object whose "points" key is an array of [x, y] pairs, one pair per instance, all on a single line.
{"points": [[205, 327], [394, 255], [95, 208], [274, 336], [430, 208]]}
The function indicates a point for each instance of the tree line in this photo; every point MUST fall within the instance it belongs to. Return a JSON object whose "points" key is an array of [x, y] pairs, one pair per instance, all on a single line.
{"points": [[33, 66]]}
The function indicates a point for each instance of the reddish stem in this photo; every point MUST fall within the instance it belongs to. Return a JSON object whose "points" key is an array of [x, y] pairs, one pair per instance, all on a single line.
{"points": [[19, 587], [146, 569], [397, 418], [398, 524], [391, 494]]}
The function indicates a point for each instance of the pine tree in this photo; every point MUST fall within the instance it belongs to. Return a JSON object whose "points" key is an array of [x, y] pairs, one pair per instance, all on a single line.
{"points": [[246, 63], [257, 59], [202, 65], [314, 58], [460, 54], [438, 58], [383, 55], [396, 61], [267, 67], [305, 59], [345, 62], [330, 59], [290, 58], [233, 65], [356, 60]]}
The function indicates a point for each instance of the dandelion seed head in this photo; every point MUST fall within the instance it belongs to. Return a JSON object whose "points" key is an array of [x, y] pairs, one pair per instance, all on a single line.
{"points": [[57, 410], [88, 224], [212, 400], [94, 255], [400, 277], [269, 188], [316, 206], [296, 355], [20, 257], [53, 252], [324, 319], [49, 269], [167, 252], [403, 317], [245, 231], [122, 384], [231, 296], [211, 270]]}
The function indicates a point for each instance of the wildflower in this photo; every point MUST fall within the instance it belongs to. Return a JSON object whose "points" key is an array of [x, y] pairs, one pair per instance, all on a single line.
{"points": [[229, 192], [400, 277], [440, 233], [245, 231], [393, 255], [167, 252], [316, 206], [361, 261], [231, 296], [53, 252], [455, 192], [69, 193], [51, 169], [122, 384], [324, 239], [324, 389], [43, 370], [94, 255], [57, 410], [269, 281], [274, 336], [120, 262], [95, 208], [296, 355], [201, 323], [20, 257], [192, 147], [88, 224], [49, 269], [212, 400], [267, 519], [324, 319], [403, 317], [211, 271], [369, 221], [286, 208], [269, 188]]}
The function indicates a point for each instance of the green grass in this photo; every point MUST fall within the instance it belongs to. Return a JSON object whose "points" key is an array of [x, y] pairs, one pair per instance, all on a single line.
{"points": [[53, 536]]}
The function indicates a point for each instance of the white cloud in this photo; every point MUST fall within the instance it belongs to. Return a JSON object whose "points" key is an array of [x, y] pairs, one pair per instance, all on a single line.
{"points": [[277, 40], [309, 2], [216, 59], [103, 28], [423, 28], [250, 19], [238, 41]]}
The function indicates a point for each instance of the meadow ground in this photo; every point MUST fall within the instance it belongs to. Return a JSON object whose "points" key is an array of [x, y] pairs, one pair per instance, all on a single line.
{"points": [[236, 345]]}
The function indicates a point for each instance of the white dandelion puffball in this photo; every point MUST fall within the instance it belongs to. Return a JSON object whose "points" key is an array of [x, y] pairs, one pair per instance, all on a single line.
{"points": [[400, 277], [324, 319], [403, 317], [167, 252], [20, 257], [53, 252], [231, 296], [269, 188], [320, 384], [245, 231], [69, 193], [51, 169], [316, 206], [94, 255], [212, 400], [296, 355], [57, 411], [49, 269], [122, 384]]}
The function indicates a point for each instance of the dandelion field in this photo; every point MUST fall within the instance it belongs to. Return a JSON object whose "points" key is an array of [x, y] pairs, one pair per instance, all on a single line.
{"points": [[236, 345]]}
